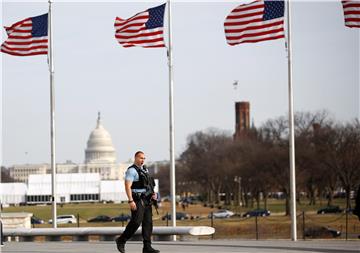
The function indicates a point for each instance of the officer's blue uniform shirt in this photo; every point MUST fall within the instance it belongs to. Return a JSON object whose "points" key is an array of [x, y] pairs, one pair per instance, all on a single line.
{"points": [[132, 175]]}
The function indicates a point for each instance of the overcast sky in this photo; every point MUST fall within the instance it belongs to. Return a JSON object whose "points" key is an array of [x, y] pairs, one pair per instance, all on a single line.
{"points": [[130, 86]]}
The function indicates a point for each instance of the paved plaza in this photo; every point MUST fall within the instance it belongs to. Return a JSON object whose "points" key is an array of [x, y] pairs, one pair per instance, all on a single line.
{"points": [[201, 246]]}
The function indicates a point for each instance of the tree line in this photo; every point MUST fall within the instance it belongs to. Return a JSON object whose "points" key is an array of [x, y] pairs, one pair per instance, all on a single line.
{"points": [[216, 165]]}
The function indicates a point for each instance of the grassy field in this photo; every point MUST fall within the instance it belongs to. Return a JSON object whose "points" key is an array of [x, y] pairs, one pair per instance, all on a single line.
{"points": [[89, 210], [277, 225], [85, 210]]}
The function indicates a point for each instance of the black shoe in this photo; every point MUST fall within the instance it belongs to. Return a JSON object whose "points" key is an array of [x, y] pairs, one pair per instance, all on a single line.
{"points": [[120, 245], [149, 249]]}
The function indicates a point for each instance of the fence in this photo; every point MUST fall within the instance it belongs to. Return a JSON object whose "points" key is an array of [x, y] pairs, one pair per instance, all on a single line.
{"points": [[309, 225]]}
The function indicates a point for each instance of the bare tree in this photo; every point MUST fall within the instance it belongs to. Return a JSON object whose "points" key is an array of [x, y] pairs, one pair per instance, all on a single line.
{"points": [[5, 176], [163, 174], [309, 168], [203, 159], [339, 150]]}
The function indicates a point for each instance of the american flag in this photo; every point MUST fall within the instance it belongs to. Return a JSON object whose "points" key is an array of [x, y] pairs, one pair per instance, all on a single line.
{"points": [[144, 29], [27, 37], [351, 13], [254, 22]]}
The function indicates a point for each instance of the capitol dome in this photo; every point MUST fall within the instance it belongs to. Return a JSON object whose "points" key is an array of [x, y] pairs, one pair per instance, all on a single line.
{"points": [[99, 146]]}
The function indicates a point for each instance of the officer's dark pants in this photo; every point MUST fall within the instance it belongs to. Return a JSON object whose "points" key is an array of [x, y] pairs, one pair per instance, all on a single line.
{"points": [[141, 216], [1, 234]]}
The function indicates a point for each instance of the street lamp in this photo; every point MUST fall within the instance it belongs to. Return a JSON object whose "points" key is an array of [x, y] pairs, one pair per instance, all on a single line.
{"points": [[237, 179]]}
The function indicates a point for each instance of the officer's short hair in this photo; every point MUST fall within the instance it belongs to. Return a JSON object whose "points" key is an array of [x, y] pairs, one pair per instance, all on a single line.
{"points": [[138, 153]]}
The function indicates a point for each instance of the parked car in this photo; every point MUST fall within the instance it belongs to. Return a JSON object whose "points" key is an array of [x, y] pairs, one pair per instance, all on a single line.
{"points": [[36, 220], [168, 198], [194, 217], [223, 213], [179, 216], [191, 200], [122, 217], [349, 210], [257, 212], [330, 209], [63, 219], [322, 232], [100, 218]]}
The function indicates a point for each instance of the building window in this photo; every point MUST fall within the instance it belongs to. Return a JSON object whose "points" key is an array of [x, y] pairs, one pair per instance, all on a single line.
{"points": [[84, 197], [38, 198]]}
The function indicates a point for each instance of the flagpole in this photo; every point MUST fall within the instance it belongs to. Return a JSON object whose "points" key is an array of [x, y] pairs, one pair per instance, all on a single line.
{"points": [[171, 125], [291, 133], [52, 118]]}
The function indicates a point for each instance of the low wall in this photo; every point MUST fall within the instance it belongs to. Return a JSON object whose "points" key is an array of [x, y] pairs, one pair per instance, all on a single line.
{"points": [[16, 220], [104, 233]]}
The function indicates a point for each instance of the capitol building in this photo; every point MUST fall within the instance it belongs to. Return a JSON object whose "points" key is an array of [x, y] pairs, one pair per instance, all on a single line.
{"points": [[100, 157]]}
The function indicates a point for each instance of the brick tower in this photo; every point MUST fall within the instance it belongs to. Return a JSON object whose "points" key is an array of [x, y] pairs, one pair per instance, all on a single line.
{"points": [[242, 119]]}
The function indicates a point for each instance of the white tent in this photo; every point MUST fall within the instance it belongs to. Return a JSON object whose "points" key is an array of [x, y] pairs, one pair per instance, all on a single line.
{"points": [[112, 190], [12, 193], [71, 187]]}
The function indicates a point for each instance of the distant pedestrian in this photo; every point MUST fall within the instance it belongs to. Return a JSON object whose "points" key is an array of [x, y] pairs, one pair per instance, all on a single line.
{"points": [[183, 206], [357, 203], [1, 235], [1, 227]]}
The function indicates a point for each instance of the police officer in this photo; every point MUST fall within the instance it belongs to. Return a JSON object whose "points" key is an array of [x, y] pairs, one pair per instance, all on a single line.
{"points": [[137, 180]]}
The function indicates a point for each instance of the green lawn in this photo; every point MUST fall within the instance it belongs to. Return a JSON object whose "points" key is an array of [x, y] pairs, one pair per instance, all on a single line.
{"points": [[85, 210]]}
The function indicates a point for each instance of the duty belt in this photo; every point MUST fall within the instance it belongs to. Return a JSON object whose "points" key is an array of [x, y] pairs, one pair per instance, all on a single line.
{"points": [[138, 195]]}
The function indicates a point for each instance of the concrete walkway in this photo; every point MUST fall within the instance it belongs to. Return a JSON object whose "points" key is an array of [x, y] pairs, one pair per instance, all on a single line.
{"points": [[202, 246]]}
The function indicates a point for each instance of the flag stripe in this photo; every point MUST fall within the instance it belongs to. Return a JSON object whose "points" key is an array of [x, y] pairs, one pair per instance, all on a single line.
{"points": [[152, 44], [21, 30], [26, 41], [250, 6], [353, 20], [24, 21], [350, 4], [148, 41], [254, 40], [4, 50], [255, 22], [254, 26], [129, 28], [28, 48], [20, 37], [253, 34], [247, 15], [351, 12], [142, 41], [152, 33], [134, 19], [131, 32], [228, 24]]}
